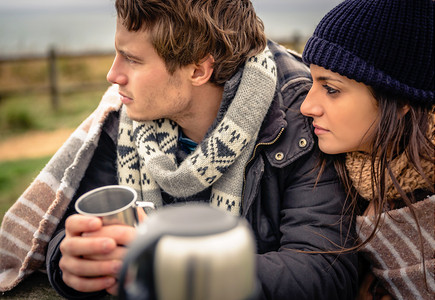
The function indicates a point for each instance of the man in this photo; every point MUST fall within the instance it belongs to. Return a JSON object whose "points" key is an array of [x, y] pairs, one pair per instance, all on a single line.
{"points": [[209, 113]]}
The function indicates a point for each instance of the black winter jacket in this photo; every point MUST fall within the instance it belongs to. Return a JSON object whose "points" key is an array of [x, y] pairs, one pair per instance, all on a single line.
{"points": [[289, 212]]}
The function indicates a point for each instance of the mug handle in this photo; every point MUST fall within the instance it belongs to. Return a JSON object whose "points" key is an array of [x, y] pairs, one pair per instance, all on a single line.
{"points": [[146, 204], [129, 289]]}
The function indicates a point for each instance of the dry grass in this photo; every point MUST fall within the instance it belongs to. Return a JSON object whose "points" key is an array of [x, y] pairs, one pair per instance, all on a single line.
{"points": [[32, 74]]}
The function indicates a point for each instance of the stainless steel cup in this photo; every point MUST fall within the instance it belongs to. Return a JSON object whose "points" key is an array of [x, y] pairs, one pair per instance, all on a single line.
{"points": [[190, 251], [114, 204]]}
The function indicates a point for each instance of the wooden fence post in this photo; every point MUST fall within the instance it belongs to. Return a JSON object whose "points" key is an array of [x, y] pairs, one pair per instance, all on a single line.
{"points": [[54, 89]]}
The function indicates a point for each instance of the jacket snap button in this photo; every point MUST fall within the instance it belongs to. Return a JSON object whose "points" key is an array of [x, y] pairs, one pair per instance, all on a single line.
{"points": [[279, 156], [302, 143]]}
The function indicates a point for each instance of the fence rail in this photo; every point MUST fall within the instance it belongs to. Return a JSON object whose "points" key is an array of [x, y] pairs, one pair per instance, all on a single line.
{"points": [[59, 54], [55, 73], [61, 72]]}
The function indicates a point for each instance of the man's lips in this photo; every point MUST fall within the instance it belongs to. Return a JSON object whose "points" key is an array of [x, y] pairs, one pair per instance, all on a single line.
{"points": [[125, 99]]}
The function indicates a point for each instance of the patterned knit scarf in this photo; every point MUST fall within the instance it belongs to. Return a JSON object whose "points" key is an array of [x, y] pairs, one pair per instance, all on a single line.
{"points": [[359, 168], [146, 150]]}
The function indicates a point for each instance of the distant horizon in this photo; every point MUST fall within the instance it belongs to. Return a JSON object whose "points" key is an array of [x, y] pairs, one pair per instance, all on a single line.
{"points": [[260, 5], [29, 27]]}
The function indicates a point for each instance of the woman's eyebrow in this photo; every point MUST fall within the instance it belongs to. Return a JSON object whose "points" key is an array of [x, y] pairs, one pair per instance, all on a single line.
{"points": [[327, 78]]}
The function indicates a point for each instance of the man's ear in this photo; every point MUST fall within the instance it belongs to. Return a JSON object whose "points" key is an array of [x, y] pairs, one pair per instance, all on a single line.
{"points": [[202, 71]]}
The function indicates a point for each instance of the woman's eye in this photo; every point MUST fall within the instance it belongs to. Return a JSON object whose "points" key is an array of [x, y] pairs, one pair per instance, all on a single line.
{"points": [[330, 90]]}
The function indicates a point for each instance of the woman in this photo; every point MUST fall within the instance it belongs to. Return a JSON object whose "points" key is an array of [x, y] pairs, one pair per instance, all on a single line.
{"points": [[371, 104]]}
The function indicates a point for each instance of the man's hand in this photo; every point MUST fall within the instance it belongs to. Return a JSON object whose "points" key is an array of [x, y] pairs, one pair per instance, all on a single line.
{"points": [[92, 253]]}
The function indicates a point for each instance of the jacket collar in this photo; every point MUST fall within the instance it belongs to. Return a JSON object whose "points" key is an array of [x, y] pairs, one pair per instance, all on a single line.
{"points": [[274, 121]]}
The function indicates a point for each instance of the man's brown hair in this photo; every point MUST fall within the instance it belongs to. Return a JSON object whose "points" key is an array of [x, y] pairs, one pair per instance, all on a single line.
{"points": [[186, 31]]}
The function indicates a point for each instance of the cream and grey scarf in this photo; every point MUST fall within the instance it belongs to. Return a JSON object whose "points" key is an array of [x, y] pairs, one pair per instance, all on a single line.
{"points": [[146, 150]]}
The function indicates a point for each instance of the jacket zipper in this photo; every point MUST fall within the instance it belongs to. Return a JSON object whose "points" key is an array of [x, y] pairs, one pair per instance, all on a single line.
{"points": [[253, 155]]}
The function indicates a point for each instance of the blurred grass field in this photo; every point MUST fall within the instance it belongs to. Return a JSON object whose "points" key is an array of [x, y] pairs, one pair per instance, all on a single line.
{"points": [[25, 107], [23, 113], [15, 176], [25, 102]]}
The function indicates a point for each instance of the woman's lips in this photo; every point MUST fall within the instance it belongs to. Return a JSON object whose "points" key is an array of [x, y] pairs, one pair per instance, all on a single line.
{"points": [[319, 130]]}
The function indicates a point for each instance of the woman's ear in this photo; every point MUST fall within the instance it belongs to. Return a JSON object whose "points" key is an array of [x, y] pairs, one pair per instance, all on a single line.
{"points": [[405, 110], [202, 71]]}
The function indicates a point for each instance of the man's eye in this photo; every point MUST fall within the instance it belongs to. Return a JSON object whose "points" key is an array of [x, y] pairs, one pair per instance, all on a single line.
{"points": [[330, 90], [129, 60]]}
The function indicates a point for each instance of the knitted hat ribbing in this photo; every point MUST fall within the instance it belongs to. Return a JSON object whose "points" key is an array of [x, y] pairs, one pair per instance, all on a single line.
{"points": [[387, 44]]}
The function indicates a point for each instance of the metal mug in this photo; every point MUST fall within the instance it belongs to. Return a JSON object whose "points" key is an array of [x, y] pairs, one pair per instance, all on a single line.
{"points": [[114, 204], [190, 251]]}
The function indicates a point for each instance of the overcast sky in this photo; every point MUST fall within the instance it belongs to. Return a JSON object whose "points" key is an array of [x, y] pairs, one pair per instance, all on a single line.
{"points": [[29, 5], [29, 26], [104, 4]]}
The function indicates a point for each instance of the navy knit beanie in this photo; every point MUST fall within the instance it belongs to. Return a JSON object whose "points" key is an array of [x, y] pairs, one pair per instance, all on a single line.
{"points": [[387, 44]]}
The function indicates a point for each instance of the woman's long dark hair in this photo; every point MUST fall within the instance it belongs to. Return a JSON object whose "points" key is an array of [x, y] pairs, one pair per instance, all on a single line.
{"points": [[395, 134]]}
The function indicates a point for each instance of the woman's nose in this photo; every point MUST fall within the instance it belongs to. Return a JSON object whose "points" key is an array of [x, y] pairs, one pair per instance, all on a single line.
{"points": [[309, 106]]}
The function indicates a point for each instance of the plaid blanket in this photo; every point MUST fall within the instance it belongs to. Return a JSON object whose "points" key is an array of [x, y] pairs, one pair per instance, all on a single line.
{"points": [[30, 222]]}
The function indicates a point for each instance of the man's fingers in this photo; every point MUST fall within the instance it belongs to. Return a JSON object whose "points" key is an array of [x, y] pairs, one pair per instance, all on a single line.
{"points": [[119, 253], [88, 276], [80, 246], [113, 290], [76, 224], [141, 214], [88, 268], [122, 234], [87, 285]]}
